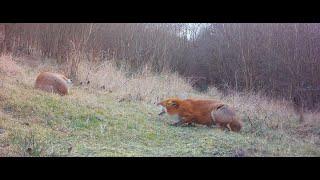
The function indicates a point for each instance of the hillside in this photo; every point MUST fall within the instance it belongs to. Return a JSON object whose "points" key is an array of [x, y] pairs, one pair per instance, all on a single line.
{"points": [[96, 122]]}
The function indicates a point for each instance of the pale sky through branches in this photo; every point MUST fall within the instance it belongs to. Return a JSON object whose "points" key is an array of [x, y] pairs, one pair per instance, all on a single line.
{"points": [[192, 30]]}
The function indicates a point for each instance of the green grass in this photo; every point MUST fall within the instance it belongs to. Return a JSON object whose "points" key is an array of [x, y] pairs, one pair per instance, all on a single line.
{"points": [[37, 123]]}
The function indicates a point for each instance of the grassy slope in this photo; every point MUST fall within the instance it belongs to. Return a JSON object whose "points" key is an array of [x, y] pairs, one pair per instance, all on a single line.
{"points": [[93, 123]]}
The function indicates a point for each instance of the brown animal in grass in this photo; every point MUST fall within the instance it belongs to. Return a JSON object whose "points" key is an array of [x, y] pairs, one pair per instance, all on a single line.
{"points": [[206, 112], [53, 82]]}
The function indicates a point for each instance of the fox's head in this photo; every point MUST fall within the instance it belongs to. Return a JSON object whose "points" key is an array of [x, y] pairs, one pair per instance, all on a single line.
{"points": [[170, 106], [69, 81]]}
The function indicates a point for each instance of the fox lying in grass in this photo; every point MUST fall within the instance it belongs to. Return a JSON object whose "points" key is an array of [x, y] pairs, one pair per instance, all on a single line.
{"points": [[206, 112], [53, 82]]}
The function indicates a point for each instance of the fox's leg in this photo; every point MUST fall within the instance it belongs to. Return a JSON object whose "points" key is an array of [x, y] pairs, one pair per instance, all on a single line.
{"points": [[220, 126], [177, 123], [228, 126], [190, 125], [183, 120]]}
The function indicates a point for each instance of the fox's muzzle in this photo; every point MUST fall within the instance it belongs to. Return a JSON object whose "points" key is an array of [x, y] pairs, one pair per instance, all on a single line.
{"points": [[161, 113], [163, 109]]}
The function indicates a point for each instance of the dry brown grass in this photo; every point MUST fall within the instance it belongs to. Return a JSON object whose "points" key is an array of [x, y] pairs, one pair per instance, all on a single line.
{"points": [[143, 86], [8, 66]]}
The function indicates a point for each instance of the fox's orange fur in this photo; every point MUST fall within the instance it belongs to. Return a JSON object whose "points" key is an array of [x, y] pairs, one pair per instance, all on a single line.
{"points": [[53, 82], [206, 112]]}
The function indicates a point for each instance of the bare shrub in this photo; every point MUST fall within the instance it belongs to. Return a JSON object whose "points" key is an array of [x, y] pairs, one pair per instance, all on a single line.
{"points": [[74, 61]]}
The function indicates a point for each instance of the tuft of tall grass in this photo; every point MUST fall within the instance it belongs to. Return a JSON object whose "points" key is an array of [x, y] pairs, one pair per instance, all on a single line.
{"points": [[8, 66], [142, 86]]}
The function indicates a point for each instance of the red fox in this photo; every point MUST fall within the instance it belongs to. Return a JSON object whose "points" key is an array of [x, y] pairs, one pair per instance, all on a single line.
{"points": [[53, 82], [206, 112]]}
